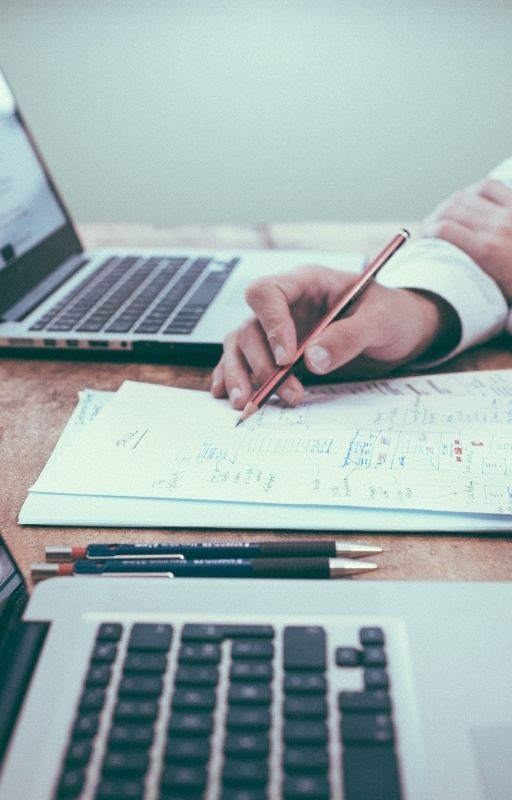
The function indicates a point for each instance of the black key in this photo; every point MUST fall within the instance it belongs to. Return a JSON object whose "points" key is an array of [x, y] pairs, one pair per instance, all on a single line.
{"points": [[249, 693], [243, 794], [145, 662], [189, 751], [311, 759], [312, 731], [78, 753], [130, 735], [184, 777], [370, 772], [198, 723], [245, 772], [296, 683], [374, 657], [202, 633], [148, 327], [304, 648], [60, 326], [250, 671], [109, 632], [104, 653], [93, 326], [373, 701], [306, 787], [140, 685], [134, 710], [371, 636], [196, 676], [348, 657], [199, 653], [256, 648], [98, 676], [125, 762], [303, 707], [376, 678], [367, 729], [120, 790], [248, 719], [92, 700], [71, 782], [205, 293], [246, 744], [120, 326], [203, 699], [150, 637], [85, 726], [177, 327], [248, 631]]}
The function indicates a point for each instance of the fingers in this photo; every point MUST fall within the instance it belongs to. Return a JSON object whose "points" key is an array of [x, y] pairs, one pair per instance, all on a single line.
{"points": [[496, 191], [341, 342], [387, 325], [272, 300], [457, 233], [246, 362]]}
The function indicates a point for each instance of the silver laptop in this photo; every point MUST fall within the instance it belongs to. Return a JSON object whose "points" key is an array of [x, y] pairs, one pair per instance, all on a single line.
{"points": [[152, 304], [255, 690]]}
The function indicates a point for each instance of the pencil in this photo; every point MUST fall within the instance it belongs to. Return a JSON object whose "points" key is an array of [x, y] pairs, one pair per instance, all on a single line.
{"points": [[348, 297]]}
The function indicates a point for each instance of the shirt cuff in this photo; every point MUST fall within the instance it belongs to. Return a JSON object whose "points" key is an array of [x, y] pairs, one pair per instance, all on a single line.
{"points": [[508, 323], [438, 267]]}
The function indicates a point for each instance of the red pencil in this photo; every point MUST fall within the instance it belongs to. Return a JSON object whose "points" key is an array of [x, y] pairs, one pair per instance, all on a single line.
{"points": [[262, 394]]}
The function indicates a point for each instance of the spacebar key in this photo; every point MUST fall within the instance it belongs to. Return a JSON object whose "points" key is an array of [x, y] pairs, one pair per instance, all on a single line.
{"points": [[370, 772]]}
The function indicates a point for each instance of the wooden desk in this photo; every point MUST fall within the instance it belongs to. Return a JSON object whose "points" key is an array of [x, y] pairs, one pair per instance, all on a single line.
{"points": [[37, 397]]}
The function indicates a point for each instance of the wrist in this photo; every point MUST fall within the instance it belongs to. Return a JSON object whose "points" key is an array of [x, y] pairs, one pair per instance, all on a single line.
{"points": [[441, 326]]}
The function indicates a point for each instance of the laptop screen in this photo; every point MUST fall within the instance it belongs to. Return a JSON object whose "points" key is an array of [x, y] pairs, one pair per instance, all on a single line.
{"points": [[29, 211], [11, 585], [36, 234]]}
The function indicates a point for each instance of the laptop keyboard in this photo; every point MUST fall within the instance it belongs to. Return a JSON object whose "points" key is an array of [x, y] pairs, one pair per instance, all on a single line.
{"points": [[233, 712], [139, 295]]}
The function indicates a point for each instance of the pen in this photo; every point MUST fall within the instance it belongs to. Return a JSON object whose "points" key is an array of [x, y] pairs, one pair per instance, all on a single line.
{"points": [[202, 568], [278, 549], [348, 297]]}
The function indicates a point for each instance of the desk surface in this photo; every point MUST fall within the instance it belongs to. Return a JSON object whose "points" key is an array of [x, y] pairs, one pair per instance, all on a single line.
{"points": [[37, 397]]}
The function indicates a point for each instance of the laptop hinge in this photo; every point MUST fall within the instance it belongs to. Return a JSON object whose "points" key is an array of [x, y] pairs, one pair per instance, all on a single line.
{"points": [[20, 658], [42, 290]]}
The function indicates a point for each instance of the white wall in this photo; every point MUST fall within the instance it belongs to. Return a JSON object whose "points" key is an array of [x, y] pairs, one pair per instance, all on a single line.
{"points": [[253, 110]]}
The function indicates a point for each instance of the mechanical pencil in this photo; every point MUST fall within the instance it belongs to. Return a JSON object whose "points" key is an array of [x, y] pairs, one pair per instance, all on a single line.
{"points": [[204, 568], [167, 550]]}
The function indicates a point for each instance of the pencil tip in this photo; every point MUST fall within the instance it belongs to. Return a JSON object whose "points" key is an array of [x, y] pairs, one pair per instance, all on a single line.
{"points": [[249, 409]]}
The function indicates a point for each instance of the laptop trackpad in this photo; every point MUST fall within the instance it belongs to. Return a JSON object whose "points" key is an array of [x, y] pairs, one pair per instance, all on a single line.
{"points": [[493, 746]]}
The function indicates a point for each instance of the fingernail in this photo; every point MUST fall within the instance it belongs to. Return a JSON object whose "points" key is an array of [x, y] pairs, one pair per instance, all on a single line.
{"points": [[279, 353], [319, 358], [288, 396], [235, 394]]}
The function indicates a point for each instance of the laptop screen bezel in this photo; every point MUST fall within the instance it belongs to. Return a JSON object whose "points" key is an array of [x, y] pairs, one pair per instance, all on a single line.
{"points": [[30, 269]]}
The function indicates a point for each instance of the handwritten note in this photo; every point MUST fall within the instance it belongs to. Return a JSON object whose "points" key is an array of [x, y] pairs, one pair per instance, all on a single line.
{"points": [[437, 452]]}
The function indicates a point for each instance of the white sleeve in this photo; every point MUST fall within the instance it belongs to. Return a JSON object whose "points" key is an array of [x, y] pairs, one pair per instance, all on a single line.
{"points": [[436, 266], [503, 173]]}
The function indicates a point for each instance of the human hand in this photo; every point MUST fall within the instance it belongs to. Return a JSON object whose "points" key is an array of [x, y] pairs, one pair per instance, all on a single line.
{"points": [[478, 220], [383, 329]]}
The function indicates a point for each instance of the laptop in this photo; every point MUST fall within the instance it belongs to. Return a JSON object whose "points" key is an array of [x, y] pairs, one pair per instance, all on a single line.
{"points": [[149, 304], [255, 690]]}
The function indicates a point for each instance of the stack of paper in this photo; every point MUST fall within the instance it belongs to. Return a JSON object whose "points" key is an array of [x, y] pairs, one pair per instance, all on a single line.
{"points": [[430, 453]]}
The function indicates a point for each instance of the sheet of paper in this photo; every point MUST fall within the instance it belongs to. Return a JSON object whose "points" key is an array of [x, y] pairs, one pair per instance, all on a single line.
{"points": [[411, 452], [491, 383]]}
